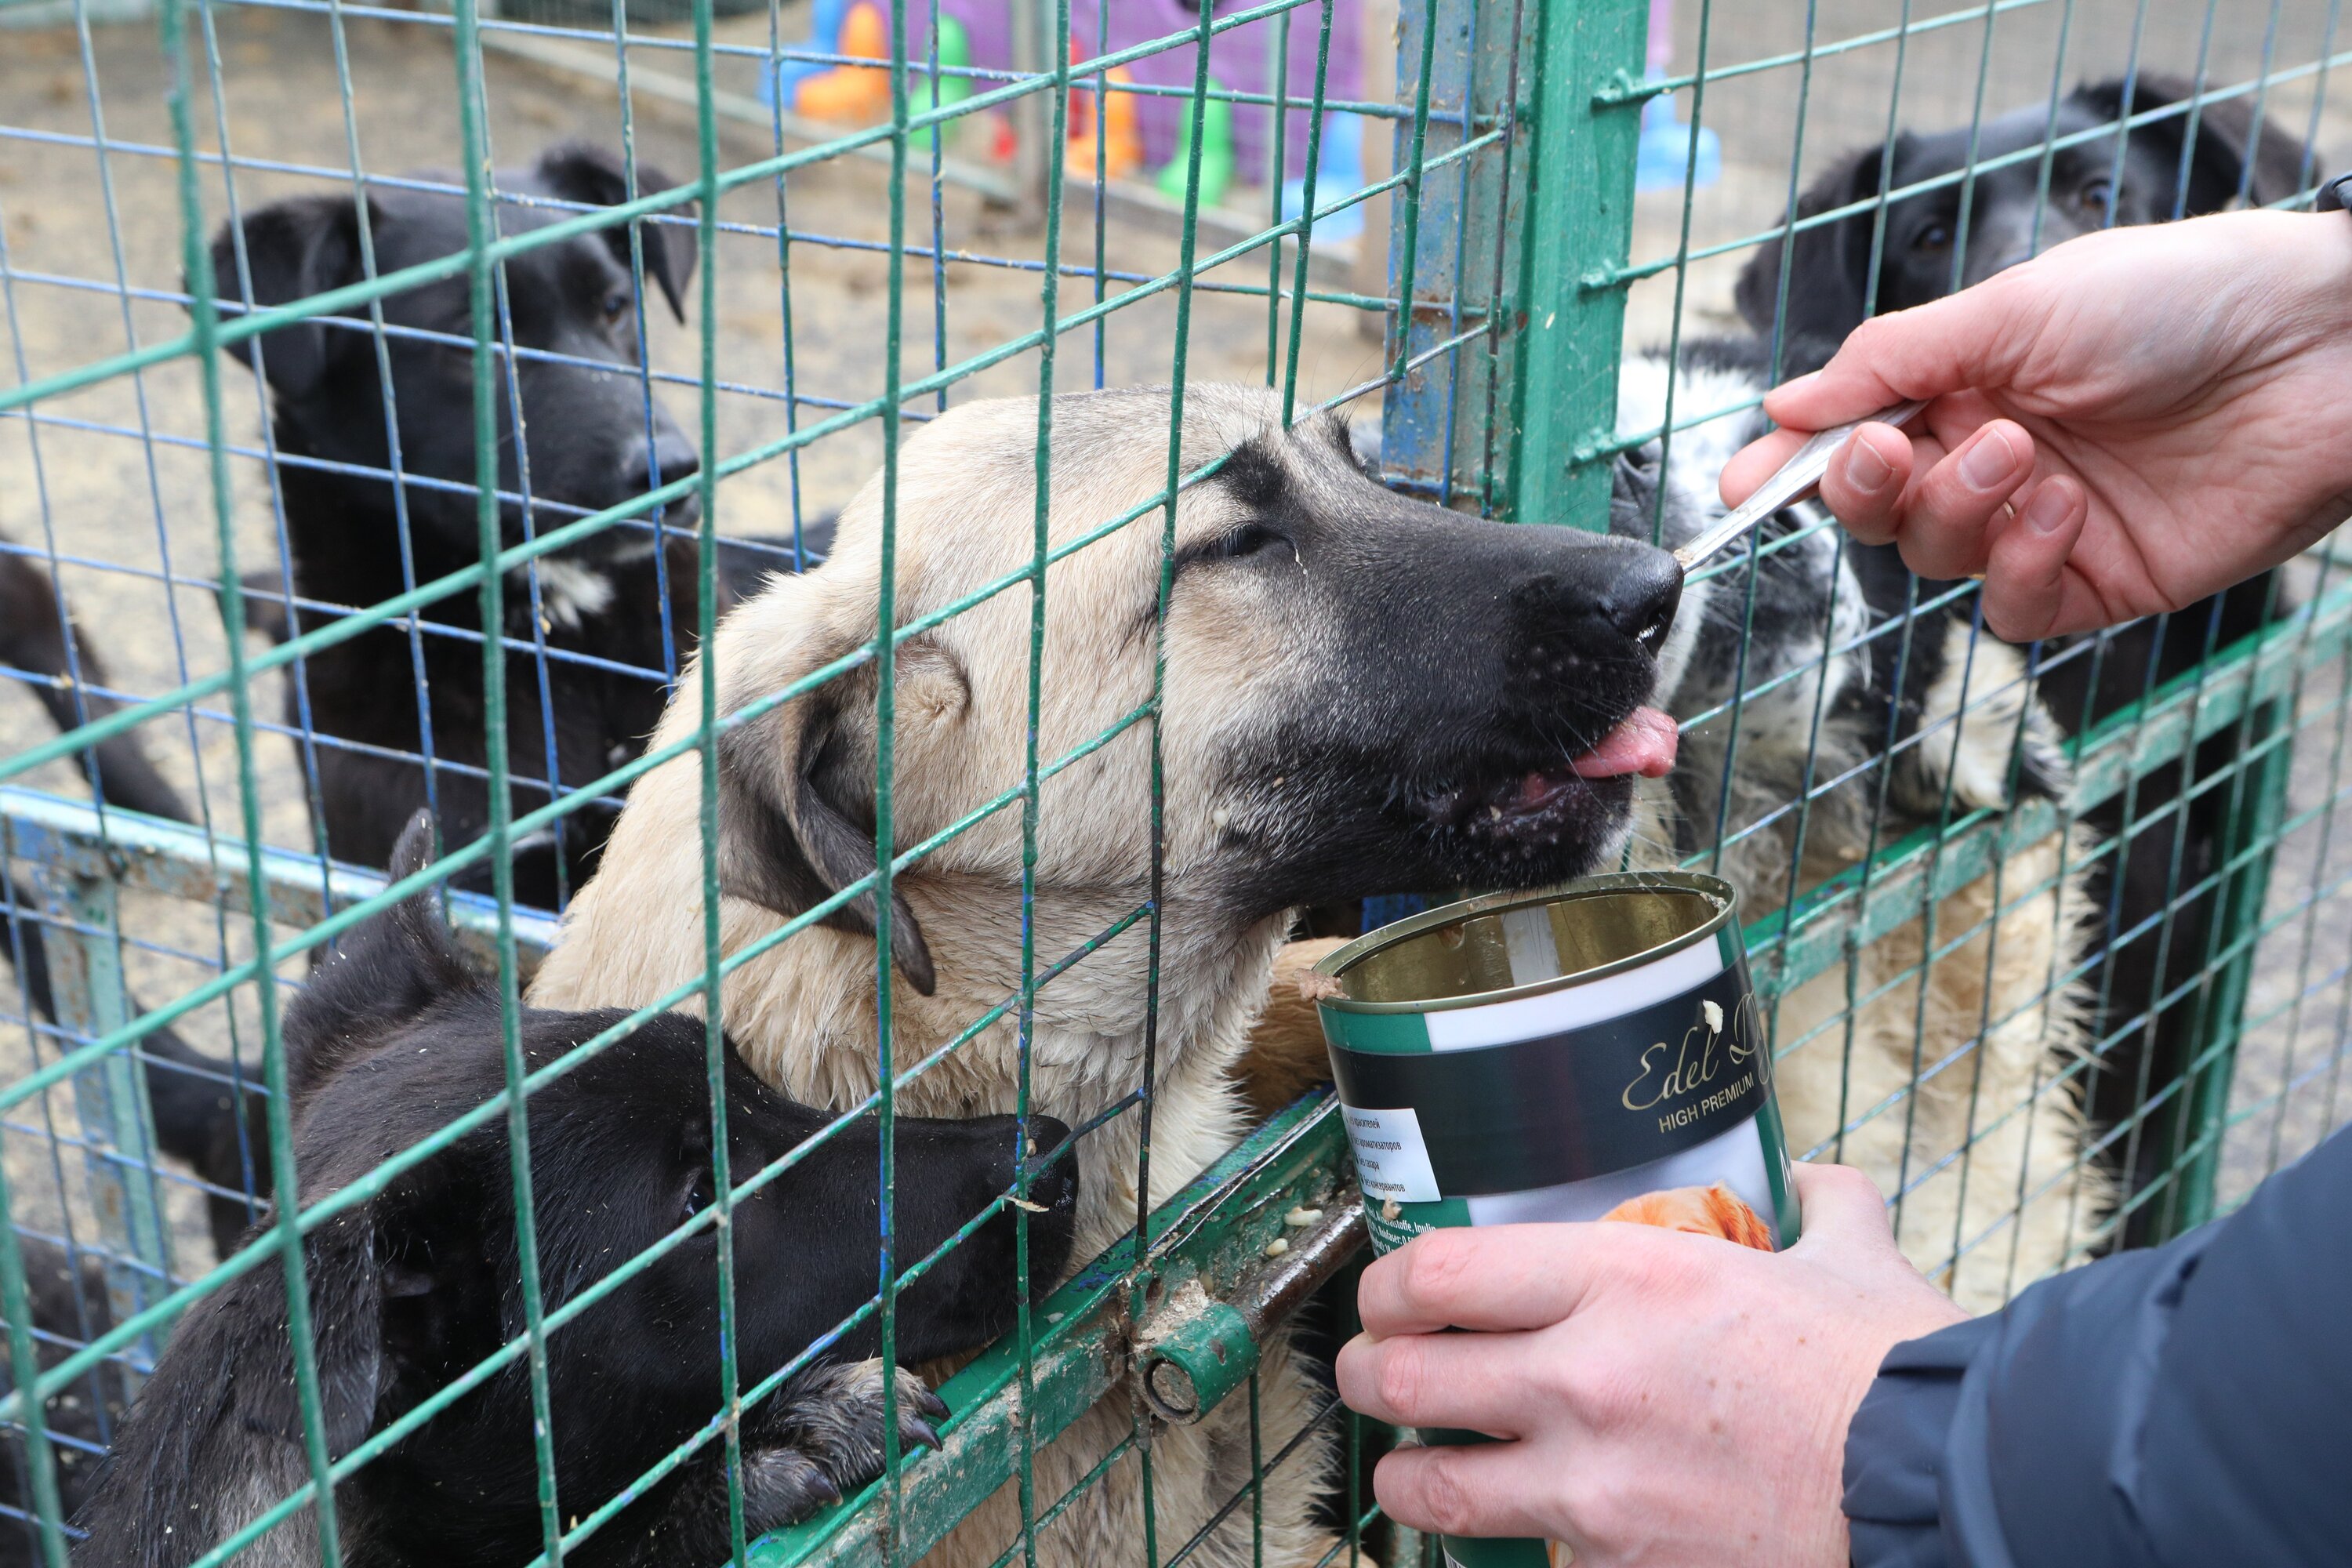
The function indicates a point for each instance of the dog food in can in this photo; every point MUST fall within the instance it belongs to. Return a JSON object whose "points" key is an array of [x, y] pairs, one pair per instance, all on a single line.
{"points": [[1590, 1053]]}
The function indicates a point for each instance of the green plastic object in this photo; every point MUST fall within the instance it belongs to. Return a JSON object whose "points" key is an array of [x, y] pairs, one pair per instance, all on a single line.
{"points": [[1217, 150], [955, 54]]}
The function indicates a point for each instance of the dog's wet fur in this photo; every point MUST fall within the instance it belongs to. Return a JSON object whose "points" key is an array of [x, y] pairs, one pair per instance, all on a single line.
{"points": [[584, 427], [2155, 172], [395, 1036]]}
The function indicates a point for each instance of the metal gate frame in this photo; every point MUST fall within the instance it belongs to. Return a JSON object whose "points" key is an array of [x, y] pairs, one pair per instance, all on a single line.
{"points": [[1548, 150]]}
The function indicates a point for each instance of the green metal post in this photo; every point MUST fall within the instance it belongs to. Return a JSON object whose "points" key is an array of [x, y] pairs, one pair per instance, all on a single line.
{"points": [[1578, 130], [2194, 1157]]}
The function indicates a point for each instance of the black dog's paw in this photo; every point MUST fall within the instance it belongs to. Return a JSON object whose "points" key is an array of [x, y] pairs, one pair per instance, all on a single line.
{"points": [[825, 1439]]}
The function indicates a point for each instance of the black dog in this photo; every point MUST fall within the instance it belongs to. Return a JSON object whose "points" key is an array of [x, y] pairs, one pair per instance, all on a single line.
{"points": [[189, 1093], [2157, 174], [68, 679], [2162, 175], [397, 1036], [576, 433]]}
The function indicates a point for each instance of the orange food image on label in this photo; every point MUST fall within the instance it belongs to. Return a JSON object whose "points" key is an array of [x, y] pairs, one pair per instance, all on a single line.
{"points": [[1715, 1211]]}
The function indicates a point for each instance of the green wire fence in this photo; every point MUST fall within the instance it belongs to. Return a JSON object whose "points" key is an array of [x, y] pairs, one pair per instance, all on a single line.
{"points": [[1474, 229]]}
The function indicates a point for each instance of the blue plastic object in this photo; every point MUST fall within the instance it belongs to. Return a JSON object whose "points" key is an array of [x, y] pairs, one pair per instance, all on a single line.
{"points": [[1339, 174], [825, 38], [1387, 909], [1665, 155]]}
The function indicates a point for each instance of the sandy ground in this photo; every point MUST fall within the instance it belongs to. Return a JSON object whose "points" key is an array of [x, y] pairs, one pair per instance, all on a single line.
{"points": [[114, 476]]}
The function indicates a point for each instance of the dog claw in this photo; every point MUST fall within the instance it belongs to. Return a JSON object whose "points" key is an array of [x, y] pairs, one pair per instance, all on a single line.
{"points": [[784, 1486], [919, 1410]]}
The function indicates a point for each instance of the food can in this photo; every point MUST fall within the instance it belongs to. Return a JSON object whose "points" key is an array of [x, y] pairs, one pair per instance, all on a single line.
{"points": [[1592, 1052]]}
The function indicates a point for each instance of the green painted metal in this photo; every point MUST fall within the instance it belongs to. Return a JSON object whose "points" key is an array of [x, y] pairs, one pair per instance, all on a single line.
{"points": [[2193, 1153], [1570, 318], [1442, 420], [1509, 266], [1208, 1234], [1211, 1353]]}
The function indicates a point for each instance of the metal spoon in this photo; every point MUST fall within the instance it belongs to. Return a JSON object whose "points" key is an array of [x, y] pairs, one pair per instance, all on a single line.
{"points": [[1796, 478]]}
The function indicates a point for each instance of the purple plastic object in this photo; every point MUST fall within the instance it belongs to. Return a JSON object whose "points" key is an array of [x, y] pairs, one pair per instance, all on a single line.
{"points": [[1241, 59]]}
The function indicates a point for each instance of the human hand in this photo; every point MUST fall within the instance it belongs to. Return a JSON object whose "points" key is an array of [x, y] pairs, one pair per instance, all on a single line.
{"points": [[1661, 1397], [2120, 426]]}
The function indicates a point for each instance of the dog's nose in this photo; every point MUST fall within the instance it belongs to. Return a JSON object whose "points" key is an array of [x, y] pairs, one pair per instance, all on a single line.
{"points": [[1642, 595], [1056, 1184], [665, 459]]}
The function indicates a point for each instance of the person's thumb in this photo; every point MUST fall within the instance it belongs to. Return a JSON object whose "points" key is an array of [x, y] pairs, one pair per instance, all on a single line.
{"points": [[1837, 1205]]}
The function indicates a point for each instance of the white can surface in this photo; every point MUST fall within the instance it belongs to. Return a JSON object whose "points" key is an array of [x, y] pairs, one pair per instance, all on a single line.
{"points": [[1590, 1053]]}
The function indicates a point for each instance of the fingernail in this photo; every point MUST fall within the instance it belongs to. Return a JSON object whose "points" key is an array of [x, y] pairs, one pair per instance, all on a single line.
{"points": [[1989, 462], [1865, 470], [2048, 511]]}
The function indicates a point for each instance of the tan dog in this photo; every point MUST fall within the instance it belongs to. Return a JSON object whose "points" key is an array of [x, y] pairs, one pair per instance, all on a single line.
{"points": [[1362, 693]]}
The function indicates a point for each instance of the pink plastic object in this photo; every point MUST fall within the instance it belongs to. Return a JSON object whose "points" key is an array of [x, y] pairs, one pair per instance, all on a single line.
{"points": [[1242, 58]]}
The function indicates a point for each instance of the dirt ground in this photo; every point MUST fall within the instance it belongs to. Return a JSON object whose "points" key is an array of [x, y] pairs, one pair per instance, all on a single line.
{"points": [[115, 475]]}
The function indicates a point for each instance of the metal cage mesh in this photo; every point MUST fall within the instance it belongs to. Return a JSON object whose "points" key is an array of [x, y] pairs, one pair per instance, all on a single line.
{"points": [[1508, 200]]}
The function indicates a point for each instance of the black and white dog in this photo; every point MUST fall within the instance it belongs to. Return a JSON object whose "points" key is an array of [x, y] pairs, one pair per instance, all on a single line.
{"points": [[1872, 711], [576, 431], [2148, 174], [396, 1036], [2155, 906]]}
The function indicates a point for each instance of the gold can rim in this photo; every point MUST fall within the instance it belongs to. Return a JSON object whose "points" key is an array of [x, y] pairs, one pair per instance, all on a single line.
{"points": [[1722, 894]]}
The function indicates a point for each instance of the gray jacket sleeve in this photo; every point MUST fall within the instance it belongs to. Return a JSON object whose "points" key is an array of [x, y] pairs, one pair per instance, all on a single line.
{"points": [[2185, 1406]]}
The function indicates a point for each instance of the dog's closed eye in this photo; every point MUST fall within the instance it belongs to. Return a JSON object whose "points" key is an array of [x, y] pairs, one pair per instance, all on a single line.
{"points": [[1239, 543]]}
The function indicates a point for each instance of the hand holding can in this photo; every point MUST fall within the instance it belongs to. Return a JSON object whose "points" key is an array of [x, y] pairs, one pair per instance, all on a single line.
{"points": [[1592, 1053]]}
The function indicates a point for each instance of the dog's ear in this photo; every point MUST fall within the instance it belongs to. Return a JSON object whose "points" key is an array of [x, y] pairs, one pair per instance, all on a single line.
{"points": [[383, 972], [293, 250], [346, 1293], [1829, 265], [796, 812], [585, 172], [2234, 153]]}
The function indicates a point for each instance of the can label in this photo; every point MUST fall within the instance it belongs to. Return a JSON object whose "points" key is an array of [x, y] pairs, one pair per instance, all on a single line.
{"points": [[1549, 1113], [1645, 1096]]}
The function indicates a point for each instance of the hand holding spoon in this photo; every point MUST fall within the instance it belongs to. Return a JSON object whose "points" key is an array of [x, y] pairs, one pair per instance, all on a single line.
{"points": [[1793, 481]]}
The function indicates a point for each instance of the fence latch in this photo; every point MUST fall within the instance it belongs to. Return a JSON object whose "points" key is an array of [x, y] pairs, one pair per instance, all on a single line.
{"points": [[1202, 1349]]}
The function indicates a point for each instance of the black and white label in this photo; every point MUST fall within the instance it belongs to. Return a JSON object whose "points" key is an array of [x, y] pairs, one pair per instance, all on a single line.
{"points": [[1563, 1107], [1391, 1161]]}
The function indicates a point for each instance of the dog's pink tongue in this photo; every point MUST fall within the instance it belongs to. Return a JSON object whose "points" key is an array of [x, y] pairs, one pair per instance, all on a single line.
{"points": [[1643, 744]]}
